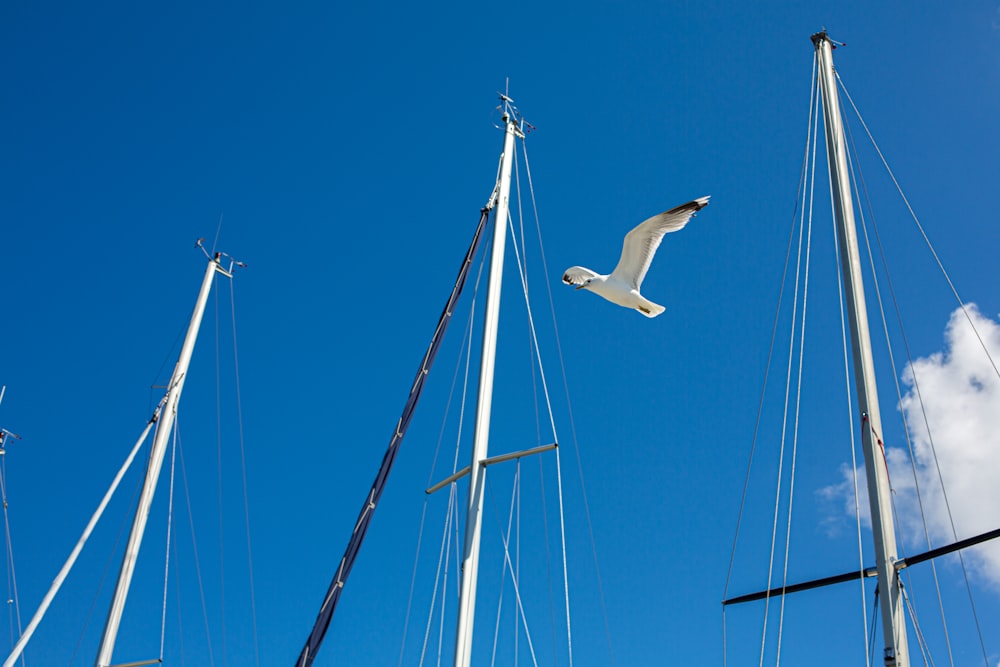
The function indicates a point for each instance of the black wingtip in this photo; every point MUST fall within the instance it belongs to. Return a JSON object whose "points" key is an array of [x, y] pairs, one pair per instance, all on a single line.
{"points": [[694, 205]]}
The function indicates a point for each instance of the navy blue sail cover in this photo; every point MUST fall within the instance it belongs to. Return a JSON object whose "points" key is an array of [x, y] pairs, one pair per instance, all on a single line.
{"points": [[319, 629]]}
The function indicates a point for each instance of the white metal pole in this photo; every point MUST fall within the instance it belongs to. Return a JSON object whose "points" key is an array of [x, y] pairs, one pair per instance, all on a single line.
{"points": [[477, 472], [156, 455], [68, 565], [896, 652]]}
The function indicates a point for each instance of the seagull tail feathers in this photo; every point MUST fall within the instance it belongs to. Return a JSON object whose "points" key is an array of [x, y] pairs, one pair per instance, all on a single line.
{"points": [[649, 309]]}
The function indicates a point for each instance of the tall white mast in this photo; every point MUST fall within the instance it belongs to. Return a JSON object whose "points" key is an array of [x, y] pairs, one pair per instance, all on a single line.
{"points": [[159, 449], [890, 593], [477, 471]]}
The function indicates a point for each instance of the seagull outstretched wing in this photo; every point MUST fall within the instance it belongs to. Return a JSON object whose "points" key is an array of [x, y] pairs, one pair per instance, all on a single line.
{"points": [[641, 243], [577, 275]]}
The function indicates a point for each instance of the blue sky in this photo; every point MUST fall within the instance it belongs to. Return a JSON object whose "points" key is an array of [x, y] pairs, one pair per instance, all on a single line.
{"points": [[347, 151]]}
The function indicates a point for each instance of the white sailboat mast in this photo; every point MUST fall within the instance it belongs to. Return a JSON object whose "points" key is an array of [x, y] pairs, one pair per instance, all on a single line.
{"points": [[477, 471], [160, 439], [890, 593]]}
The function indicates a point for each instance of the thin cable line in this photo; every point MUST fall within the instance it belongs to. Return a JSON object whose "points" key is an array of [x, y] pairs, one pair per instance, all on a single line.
{"points": [[858, 175], [517, 590], [916, 386], [798, 395], [243, 472], [12, 602], [194, 546], [784, 419], [770, 353], [572, 422], [166, 555], [920, 227], [218, 451]]}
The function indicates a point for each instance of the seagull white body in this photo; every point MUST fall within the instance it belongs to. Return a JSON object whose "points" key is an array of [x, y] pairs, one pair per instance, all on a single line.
{"points": [[622, 285]]}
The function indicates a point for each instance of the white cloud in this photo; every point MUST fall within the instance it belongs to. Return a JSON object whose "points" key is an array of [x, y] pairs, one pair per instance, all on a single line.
{"points": [[959, 392]]}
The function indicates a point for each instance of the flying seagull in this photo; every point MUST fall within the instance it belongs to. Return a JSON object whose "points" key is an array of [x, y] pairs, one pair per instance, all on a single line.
{"points": [[622, 286]]}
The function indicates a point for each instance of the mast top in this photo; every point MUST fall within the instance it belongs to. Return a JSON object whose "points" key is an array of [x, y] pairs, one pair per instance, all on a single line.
{"points": [[822, 36], [509, 113], [217, 258]]}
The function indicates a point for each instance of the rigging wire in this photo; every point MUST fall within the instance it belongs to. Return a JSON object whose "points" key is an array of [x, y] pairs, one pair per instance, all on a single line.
{"points": [[194, 546], [538, 436], [788, 376], [169, 544], [532, 352], [443, 554], [243, 471], [770, 354], [920, 227], [13, 603], [218, 454], [180, 622], [916, 385], [856, 176], [503, 570], [925, 653], [870, 658], [548, 403], [517, 591], [218, 230], [458, 560], [798, 400], [572, 423]]}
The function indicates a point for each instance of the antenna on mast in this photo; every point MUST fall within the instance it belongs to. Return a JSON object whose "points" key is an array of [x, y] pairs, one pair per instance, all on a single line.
{"points": [[4, 433]]}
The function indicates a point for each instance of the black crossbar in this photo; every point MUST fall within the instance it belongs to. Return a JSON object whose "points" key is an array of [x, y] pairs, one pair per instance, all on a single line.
{"points": [[961, 544], [867, 572], [804, 586]]}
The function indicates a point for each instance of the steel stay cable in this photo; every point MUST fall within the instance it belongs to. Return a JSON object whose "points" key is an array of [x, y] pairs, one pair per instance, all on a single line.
{"points": [[798, 404], [548, 403], [770, 352], [218, 469], [166, 556], [916, 384], [243, 471], [855, 166], [194, 543], [517, 590], [784, 421], [576, 444], [798, 395], [441, 556], [920, 227], [13, 602], [503, 569]]}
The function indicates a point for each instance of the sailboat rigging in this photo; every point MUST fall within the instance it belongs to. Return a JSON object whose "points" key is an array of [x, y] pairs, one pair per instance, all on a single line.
{"points": [[892, 600], [497, 208], [163, 419]]}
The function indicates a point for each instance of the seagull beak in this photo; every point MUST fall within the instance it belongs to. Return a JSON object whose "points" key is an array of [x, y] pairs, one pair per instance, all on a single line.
{"points": [[579, 287]]}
